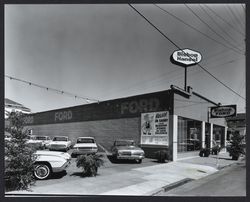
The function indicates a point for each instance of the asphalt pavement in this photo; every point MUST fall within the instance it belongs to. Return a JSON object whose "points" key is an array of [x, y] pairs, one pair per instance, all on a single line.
{"points": [[130, 178], [231, 181]]}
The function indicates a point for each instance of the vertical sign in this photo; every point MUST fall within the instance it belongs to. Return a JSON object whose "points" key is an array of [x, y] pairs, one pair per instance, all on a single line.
{"points": [[154, 128]]}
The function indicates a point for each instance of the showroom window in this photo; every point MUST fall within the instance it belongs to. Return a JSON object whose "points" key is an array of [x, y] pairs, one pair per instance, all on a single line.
{"points": [[189, 135], [218, 135]]}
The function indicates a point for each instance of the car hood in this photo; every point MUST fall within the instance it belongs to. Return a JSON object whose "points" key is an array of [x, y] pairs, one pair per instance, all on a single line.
{"points": [[52, 153], [128, 148], [85, 145]]}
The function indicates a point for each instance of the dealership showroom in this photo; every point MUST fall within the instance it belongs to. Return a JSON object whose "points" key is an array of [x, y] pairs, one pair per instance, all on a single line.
{"points": [[175, 120]]}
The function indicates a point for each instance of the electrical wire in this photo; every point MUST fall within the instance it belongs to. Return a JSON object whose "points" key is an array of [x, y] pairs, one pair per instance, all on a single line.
{"points": [[234, 16], [183, 51], [222, 37], [87, 99], [218, 25], [224, 20], [194, 28]]}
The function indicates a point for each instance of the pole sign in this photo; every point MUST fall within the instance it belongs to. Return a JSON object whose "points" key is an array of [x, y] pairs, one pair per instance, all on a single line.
{"points": [[185, 57], [223, 111]]}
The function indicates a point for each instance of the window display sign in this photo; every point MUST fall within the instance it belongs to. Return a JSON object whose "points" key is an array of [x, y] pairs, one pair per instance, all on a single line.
{"points": [[155, 128]]}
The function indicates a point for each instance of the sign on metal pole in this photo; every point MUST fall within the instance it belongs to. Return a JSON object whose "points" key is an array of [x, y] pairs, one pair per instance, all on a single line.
{"points": [[223, 111], [186, 57]]}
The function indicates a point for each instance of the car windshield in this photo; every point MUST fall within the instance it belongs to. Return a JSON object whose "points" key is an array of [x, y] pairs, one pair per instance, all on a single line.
{"points": [[85, 140], [41, 138], [124, 143], [60, 139]]}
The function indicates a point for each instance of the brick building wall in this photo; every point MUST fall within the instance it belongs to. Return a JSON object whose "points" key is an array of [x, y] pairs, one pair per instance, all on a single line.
{"points": [[104, 131]]}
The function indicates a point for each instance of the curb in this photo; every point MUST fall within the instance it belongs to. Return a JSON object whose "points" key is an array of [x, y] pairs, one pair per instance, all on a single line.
{"points": [[171, 186]]}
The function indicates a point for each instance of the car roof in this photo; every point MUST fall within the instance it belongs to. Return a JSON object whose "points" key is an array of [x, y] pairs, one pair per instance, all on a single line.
{"points": [[85, 137], [61, 136], [125, 140]]}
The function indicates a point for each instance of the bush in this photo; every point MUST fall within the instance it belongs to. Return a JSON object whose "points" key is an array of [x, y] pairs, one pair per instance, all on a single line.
{"points": [[19, 158], [236, 148], [162, 156], [216, 149], [204, 152], [89, 164]]}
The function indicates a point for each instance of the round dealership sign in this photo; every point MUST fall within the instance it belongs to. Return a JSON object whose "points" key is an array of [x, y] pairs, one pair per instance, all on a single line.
{"points": [[186, 57]]}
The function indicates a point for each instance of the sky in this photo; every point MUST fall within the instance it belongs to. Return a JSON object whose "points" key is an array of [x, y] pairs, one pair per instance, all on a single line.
{"points": [[109, 51]]}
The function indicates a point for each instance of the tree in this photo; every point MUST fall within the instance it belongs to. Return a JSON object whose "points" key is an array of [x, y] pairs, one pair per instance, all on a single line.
{"points": [[19, 157], [236, 148]]}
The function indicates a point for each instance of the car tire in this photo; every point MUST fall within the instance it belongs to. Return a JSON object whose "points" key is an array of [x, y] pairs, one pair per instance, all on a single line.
{"points": [[139, 161], [42, 171]]}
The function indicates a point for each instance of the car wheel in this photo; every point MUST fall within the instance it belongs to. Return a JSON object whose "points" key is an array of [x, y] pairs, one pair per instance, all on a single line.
{"points": [[42, 171], [139, 161]]}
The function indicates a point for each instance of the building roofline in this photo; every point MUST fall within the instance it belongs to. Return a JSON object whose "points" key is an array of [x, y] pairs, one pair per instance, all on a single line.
{"points": [[204, 98]]}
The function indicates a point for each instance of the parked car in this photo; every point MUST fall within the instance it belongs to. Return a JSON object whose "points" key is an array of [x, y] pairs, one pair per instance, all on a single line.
{"points": [[60, 143], [48, 162], [45, 140], [126, 149], [31, 141], [84, 145]]}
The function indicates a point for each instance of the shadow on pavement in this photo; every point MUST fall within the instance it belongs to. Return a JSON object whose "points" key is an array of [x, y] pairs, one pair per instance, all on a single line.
{"points": [[229, 159], [58, 175], [112, 159], [80, 174]]}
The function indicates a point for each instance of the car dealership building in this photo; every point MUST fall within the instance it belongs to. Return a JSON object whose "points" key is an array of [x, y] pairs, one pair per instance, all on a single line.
{"points": [[174, 120]]}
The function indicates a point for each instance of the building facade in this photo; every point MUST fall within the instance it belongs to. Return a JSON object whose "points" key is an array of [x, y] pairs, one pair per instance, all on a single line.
{"points": [[171, 120]]}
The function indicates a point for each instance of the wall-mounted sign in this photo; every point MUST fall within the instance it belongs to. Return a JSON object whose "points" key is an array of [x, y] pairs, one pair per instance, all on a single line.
{"points": [[185, 57], [154, 128], [141, 105], [223, 111]]}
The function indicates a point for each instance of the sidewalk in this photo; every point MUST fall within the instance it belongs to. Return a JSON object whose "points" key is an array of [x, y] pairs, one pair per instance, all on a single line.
{"points": [[144, 181]]}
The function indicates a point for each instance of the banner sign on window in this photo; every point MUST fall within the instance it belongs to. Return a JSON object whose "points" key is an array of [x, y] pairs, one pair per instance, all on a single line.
{"points": [[154, 128]]}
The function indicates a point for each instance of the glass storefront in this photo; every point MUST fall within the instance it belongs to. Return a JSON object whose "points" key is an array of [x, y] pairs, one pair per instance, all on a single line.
{"points": [[189, 135], [218, 135]]}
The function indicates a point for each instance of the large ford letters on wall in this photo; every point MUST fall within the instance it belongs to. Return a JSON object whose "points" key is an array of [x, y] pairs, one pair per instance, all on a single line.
{"points": [[120, 108], [223, 111]]}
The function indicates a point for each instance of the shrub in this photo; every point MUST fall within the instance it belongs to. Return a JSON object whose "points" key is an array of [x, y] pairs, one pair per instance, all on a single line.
{"points": [[204, 152], [89, 164], [19, 158], [236, 148], [162, 156]]}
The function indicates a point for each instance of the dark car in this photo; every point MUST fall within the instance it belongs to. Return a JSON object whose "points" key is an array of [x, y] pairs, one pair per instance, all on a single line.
{"points": [[126, 149]]}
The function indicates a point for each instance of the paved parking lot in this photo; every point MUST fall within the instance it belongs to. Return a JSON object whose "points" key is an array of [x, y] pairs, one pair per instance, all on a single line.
{"points": [[109, 168]]}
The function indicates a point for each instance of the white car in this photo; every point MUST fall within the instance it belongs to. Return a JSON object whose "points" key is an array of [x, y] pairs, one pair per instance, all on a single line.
{"points": [[45, 140], [60, 143], [34, 143], [48, 162], [84, 145]]}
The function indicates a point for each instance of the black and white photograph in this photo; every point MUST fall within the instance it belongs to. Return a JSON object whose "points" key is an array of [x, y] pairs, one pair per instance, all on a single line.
{"points": [[125, 99]]}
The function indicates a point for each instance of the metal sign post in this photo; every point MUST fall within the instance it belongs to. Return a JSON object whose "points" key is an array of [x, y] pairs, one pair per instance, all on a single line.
{"points": [[185, 58]]}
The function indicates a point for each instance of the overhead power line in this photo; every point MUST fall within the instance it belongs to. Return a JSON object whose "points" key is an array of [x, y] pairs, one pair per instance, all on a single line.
{"points": [[217, 24], [238, 21], [87, 99], [196, 29], [225, 21], [222, 37], [171, 41]]}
